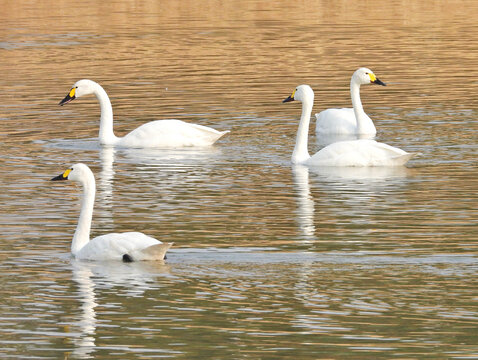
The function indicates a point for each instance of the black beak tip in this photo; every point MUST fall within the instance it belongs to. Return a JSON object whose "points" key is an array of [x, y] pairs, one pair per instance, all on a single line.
{"points": [[66, 100], [59, 177], [288, 99], [379, 82]]}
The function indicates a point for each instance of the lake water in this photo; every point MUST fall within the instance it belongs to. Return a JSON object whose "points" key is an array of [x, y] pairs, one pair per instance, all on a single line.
{"points": [[270, 261]]}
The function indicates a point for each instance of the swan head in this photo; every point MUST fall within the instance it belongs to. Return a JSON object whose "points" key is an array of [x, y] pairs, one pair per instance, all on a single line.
{"points": [[80, 88], [365, 76], [301, 93], [78, 172]]}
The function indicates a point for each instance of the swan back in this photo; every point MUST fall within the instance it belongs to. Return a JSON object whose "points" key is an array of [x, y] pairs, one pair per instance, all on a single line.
{"points": [[359, 153], [133, 246], [170, 133]]}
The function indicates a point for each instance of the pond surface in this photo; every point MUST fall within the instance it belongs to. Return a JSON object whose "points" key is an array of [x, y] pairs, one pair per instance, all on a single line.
{"points": [[270, 260]]}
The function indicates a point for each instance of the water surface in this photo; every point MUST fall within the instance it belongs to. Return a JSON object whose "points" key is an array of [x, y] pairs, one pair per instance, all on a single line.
{"points": [[271, 261]]}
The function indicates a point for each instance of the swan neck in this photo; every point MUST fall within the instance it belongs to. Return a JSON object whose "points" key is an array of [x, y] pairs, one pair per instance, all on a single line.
{"points": [[356, 102], [364, 123], [82, 233], [106, 135], [301, 154]]}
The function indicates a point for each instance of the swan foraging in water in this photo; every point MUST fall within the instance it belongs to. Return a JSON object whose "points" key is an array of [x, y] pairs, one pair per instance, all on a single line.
{"points": [[348, 121], [343, 153], [159, 133], [129, 246]]}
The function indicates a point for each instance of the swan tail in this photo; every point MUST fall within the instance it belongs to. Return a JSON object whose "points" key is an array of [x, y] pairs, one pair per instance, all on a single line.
{"points": [[153, 252], [403, 159], [219, 135], [209, 135]]}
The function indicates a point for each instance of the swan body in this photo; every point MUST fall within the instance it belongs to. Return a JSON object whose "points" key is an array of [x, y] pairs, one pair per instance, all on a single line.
{"points": [[129, 246], [159, 133], [350, 121], [361, 152]]}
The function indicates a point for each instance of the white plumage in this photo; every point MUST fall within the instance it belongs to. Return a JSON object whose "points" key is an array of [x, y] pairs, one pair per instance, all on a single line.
{"points": [[343, 153], [348, 121], [360, 153], [159, 133], [129, 246]]}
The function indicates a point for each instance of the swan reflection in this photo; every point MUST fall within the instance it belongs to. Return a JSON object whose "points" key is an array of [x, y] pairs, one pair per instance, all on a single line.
{"points": [[305, 202], [360, 174], [105, 176], [95, 277]]}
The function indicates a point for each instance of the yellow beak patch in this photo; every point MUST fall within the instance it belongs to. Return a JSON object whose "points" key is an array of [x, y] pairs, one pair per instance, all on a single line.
{"points": [[293, 93], [66, 173], [372, 77], [72, 92]]}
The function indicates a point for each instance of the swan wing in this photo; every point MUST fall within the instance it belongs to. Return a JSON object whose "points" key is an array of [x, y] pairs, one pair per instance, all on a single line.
{"points": [[171, 133], [342, 122], [113, 246], [153, 252], [336, 121], [360, 153]]}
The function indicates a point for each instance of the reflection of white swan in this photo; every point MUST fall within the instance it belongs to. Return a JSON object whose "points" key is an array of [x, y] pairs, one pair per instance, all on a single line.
{"points": [[349, 121], [105, 177], [182, 157], [87, 323], [344, 153], [128, 246], [105, 187], [370, 173], [355, 192], [305, 201], [93, 277], [159, 133]]}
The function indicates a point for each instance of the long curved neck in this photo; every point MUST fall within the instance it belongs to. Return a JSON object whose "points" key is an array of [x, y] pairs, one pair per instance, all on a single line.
{"points": [[107, 137], [364, 123], [82, 233], [301, 153]]}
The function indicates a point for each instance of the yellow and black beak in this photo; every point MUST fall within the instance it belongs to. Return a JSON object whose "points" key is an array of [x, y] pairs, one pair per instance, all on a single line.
{"points": [[290, 98], [375, 80], [71, 96], [63, 176]]}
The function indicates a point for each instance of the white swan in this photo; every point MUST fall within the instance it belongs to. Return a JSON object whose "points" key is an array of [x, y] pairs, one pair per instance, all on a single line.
{"points": [[349, 121], [343, 153], [129, 246], [159, 133]]}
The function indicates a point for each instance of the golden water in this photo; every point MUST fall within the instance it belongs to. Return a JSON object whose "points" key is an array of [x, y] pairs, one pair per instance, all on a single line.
{"points": [[270, 261]]}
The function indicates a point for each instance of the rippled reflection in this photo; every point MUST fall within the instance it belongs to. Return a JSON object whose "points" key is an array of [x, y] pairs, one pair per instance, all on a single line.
{"points": [[269, 262], [85, 344], [92, 277], [305, 211]]}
